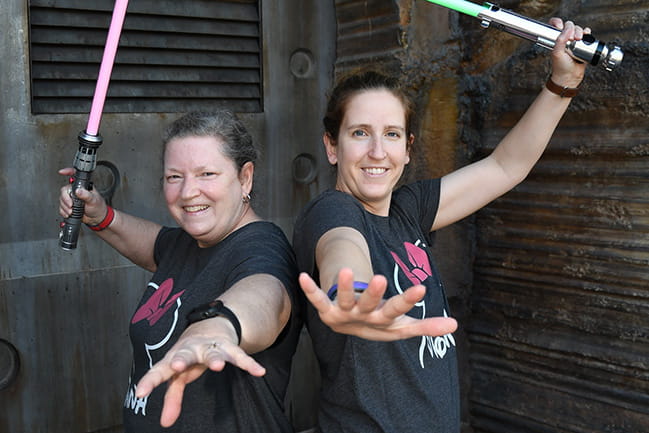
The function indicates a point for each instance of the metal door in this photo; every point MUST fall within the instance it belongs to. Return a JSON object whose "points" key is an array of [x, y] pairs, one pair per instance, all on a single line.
{"points": [[64, 350]]}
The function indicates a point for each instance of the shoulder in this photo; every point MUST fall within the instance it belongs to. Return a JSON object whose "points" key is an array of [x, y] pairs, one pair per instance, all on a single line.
{"points": [[418, 189], [331, 208], [257, 239], [327, 199], [172, 237]]}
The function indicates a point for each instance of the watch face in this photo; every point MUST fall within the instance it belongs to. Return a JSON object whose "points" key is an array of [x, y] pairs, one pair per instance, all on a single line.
{"points": [[205, 311], [213, 309]]}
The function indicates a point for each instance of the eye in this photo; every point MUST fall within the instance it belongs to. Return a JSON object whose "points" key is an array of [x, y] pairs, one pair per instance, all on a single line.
{"points": [[393, 134], [171, 178], [359, 133], [208, 174]]}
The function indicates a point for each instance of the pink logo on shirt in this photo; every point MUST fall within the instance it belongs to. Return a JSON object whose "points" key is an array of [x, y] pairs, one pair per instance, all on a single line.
{"points": [[158, 304], [419, 268]]}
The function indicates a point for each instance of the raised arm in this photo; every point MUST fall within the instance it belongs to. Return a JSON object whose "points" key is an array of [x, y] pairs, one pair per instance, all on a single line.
{"points": [[342, 256], [132, 237], [468, 189], [262, 307]]}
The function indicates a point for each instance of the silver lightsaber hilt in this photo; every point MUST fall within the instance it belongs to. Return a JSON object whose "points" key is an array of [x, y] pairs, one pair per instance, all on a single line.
{"points": [[588, 49]]}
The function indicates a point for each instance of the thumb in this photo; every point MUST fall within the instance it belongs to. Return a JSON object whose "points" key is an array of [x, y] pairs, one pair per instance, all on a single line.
{"points": [[83, 194]]}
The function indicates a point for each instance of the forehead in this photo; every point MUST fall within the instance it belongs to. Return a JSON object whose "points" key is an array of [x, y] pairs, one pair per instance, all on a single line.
{"points": [[373, 106], [194, 148]]}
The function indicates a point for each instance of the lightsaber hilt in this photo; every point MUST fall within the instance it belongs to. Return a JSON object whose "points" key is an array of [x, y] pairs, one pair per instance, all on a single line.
{"points": [[588, 49], [85, 162]]}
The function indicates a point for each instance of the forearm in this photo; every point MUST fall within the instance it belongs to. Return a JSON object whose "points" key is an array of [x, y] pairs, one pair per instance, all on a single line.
{"points": [[522, 147], [262, 307], [132, 237], [339, 248]]}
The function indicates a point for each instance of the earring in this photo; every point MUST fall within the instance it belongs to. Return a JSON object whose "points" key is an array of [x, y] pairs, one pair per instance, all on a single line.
{"points": [[246, 198]]}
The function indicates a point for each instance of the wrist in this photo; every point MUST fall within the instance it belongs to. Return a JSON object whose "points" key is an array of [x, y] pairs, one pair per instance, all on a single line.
{"points": [[359, 287], [103, 224], [558, 88], [215, 309]]}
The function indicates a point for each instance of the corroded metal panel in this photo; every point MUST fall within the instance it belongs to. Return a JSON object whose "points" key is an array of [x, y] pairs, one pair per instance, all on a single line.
{"points": [[368, 31], [560, 330], [67, 313]]}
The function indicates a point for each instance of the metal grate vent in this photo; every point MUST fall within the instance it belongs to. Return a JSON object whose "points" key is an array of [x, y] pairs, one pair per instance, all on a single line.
{"points": [[173, 56]]}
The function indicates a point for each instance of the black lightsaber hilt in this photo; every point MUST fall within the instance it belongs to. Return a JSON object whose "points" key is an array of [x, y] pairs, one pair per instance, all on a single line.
{"points": [[85, 162]]}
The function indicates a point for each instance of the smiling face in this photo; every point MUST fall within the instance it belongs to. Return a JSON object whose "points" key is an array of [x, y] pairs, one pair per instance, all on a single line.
{"points": [[372, 148], [204, 190]]}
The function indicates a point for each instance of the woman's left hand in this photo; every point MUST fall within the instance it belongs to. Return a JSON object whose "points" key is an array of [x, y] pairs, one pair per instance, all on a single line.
{"points": [[368, 315], [200, 347]]}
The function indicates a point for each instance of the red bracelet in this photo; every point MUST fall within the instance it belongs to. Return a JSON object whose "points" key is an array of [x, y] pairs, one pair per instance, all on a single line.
{"points": [[110, 215]]}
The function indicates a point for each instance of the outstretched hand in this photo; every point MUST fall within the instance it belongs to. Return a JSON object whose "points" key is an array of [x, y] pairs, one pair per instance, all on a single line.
{"points": [[368, 315], [200, 347]]}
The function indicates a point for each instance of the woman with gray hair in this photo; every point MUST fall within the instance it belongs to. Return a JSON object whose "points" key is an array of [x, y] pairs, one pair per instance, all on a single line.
{"points": [[218, 321]]}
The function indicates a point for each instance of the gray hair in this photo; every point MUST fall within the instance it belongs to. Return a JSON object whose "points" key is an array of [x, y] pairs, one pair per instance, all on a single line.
{"points": [[223, 124]]}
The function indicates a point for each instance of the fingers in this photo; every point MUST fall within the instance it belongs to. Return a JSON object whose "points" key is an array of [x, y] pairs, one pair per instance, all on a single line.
{"points": [[316, 297], [345, 298], [399, 305], [158, 374], [239, 358], [433, 327], [372, 297], [186, 364], [556, 22], [172, 403]]}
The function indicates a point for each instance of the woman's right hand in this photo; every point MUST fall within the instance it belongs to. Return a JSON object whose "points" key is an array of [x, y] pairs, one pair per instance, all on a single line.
{"points": [[370, 316], [95, 206]]}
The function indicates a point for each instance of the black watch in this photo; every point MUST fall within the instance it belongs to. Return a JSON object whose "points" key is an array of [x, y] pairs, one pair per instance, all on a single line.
{"points": [[214, 309]]}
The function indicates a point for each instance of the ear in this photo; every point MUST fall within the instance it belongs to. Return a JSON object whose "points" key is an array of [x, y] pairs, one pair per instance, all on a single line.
{"points": [[411, 139], [246, 175], [330, 148]]}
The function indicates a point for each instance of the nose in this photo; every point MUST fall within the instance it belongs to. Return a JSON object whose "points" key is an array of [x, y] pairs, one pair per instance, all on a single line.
{"points": [[377, 150], [189, 188]]}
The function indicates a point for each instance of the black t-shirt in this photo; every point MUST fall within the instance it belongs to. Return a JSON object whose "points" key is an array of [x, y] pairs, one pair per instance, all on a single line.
{"points": [[391, 387], [188, 276]]}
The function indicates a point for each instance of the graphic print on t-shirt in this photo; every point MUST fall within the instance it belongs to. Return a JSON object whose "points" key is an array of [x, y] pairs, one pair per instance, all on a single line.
{"points": [[160, 302], [417, 272]]}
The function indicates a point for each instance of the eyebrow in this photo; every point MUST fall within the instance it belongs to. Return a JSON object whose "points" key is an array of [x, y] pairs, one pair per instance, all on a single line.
{"points": [[368, 126]]}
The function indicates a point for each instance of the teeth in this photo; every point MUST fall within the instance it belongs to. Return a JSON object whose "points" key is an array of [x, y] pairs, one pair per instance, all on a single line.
{"points": [[375, 170], [195, 208]]}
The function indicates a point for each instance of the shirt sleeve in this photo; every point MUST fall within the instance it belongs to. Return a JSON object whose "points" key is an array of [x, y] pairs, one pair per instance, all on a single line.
{"points": [[332, 209]]}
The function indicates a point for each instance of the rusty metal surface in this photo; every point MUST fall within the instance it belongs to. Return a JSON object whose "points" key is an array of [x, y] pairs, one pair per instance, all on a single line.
{"points": [[368, 31], [559, 333]]}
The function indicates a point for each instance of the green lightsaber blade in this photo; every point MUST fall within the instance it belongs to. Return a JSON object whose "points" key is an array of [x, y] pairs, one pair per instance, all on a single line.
{"points": [[461, 6]]}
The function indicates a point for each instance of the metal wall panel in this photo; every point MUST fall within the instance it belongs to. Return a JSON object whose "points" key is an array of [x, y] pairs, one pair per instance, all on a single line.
{"points": [[67, 312], [560, 330], [368, 32]]}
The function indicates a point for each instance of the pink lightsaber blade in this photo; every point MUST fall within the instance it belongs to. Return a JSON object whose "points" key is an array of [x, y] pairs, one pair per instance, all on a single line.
{"points": [[106, 68], [85, 160]]}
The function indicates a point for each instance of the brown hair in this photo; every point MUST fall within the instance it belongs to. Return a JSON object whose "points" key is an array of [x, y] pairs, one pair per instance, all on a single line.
{"points": [[357, 82]]}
